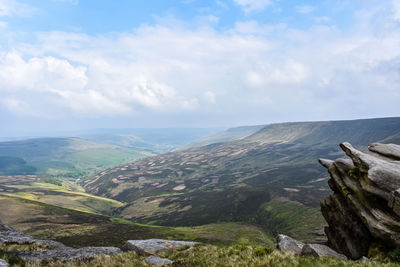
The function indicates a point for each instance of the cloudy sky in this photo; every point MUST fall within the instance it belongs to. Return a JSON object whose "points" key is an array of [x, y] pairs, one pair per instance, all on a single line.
{"points": [[80, 64]]}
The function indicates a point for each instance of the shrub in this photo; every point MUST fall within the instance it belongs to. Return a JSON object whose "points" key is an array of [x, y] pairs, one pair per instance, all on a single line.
{"points": [[51, 180]]}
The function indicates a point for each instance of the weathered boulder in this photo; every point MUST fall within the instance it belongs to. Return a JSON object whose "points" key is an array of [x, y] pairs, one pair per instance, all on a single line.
{"points": [[157, 261], [152, 246], [365, 259], [387, 150], [364, 209], [50, 250], [288, 244], [9, 235], [83, 254], [318, 250], [3, 263]]}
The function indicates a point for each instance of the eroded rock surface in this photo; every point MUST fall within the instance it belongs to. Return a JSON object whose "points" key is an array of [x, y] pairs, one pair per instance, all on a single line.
{"points": [[152, 246], [9, 235], [288, 244], [318, 250], [364, 209]]}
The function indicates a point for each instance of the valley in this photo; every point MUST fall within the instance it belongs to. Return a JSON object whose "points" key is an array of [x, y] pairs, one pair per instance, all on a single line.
{"points": [[77, 229], [249, 186], [246, 180]]}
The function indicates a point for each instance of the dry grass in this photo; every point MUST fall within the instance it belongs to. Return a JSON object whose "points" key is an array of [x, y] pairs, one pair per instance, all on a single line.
{"points": [[210, 256]]}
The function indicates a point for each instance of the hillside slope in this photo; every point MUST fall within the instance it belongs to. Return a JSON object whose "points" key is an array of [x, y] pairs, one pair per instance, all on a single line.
{"points": [[230, 134], [243, 180], [55, 192], [77, 229]]}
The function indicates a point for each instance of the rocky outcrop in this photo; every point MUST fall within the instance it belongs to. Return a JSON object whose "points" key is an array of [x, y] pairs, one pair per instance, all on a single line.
{"points": [[44, 250], [48, 249], [289, 245], [364, 209], [9, 235], [152, 246], [318, 250]]}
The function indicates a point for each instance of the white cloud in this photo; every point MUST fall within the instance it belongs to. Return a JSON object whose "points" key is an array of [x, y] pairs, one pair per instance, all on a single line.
{"points": [[221, 4], [210, 97], [207, 20], [74, 2], [12, 104], [289, 73], [255, 28], [97, 88], [305, 9], [252, 68], [39, 74], [396, 9], [252, 5], [15, 8], [322, 19]]}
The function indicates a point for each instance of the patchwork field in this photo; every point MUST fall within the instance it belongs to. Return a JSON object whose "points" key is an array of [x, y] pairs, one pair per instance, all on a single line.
{"points": [[271, 178]]}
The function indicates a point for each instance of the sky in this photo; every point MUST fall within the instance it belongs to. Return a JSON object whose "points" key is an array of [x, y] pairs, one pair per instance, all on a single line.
{"points": [[79, 64]]}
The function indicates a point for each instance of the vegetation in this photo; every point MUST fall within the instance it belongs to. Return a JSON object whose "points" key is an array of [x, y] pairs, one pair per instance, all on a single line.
{"points": [[51, 180], [56, 192], [271, 178], [78, 229], [235, 195], [14, 165], [208, 256]]}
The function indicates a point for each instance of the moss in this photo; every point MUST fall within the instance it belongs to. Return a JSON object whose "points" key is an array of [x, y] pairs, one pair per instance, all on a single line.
{"points": [[394, 228], [262, 251], [354, 173]]}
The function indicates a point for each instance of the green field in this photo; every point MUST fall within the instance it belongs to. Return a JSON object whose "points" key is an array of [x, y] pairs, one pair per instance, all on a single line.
{"points": [[56, 192]]}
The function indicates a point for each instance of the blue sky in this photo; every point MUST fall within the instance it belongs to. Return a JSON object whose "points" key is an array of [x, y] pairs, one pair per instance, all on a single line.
{"points": [[78, 64], [99, 17]]}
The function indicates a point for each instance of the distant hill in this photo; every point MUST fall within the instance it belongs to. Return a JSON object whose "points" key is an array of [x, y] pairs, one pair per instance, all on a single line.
{"points": [[358, 132], [156, 140], [13, 165], [271, 177], [231, 134], [65, 157]]}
